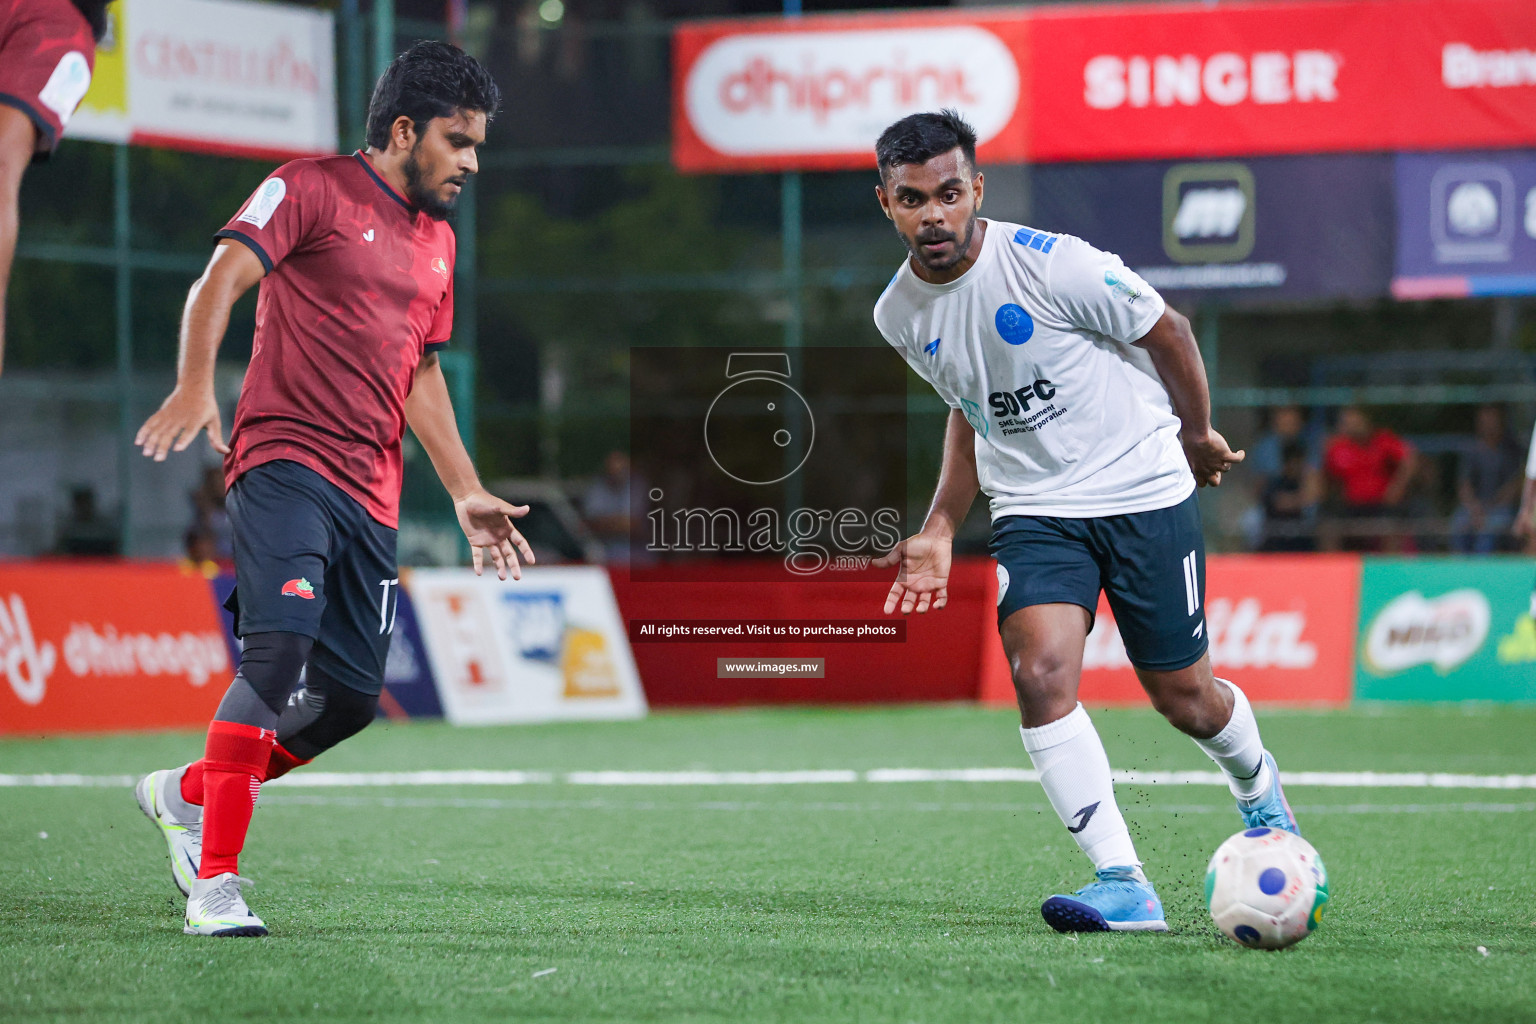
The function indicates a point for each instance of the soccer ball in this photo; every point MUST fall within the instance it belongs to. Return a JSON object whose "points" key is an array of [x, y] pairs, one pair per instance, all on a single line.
{"points": [[1266, 888]]}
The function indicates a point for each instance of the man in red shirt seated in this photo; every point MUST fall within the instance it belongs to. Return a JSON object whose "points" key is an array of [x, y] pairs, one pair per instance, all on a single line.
{"points": [[1371, 468]]}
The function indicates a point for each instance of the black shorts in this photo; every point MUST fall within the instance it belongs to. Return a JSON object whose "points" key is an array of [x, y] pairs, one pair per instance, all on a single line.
{"points": [[310, 560], [1151, 566]]}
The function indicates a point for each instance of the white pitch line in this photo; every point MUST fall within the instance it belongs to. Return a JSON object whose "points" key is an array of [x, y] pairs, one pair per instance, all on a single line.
{"points": [[500, 804], [699, 778], [352, 780], [1330, 780]]}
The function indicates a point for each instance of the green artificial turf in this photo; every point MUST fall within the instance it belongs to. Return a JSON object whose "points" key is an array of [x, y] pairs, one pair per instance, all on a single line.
{"points": [[826, 902]]}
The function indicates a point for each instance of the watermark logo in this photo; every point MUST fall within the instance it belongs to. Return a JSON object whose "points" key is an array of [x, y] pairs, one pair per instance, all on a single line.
{"points": [[786, 465], [753, 422]]}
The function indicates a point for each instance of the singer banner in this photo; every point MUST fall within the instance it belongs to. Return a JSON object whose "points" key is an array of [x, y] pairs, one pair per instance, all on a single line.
{"points": [[1121, 82]]}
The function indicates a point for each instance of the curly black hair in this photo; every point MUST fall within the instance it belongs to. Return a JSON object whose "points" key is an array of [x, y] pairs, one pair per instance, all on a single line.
{"points": [[431, 79], [95, 12], [918, 138]]}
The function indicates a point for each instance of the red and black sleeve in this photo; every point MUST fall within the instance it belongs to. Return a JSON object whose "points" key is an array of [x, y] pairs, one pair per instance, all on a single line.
{"points": [[47, 53], [282, 214]]}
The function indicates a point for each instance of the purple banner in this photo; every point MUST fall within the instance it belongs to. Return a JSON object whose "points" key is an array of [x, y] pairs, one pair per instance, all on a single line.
{"points": [[1466, 224], [1239, 231]]}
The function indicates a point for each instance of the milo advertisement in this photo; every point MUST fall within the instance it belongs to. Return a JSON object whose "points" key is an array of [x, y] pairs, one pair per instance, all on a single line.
{"points": [[1446, 629]]}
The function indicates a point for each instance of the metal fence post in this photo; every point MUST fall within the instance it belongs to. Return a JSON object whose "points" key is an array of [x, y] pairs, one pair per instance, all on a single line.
{"points": [[791, 223], [122, 227], [354, 113], [383, 35]]}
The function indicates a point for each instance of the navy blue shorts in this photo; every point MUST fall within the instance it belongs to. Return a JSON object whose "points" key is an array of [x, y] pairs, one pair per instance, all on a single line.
{"points": [[310, 560], [1151, 566]]}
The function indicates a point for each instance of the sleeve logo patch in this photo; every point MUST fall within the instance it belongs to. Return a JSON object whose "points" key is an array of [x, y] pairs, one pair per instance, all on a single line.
{"points": [[67, 85], [265, 202], [1121, 287]]}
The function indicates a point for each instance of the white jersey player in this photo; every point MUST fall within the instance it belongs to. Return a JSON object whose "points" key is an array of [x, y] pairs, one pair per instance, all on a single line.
{"points": [[1079, 405]]}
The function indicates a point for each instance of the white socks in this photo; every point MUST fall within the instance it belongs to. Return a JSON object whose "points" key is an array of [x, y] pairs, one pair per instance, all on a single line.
{"points": [[1074, 771], [1238, 751]]}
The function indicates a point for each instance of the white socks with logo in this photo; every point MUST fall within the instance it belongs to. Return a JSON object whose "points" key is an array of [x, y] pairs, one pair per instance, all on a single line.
{"points": [[1238, 751], [1074, 771]]}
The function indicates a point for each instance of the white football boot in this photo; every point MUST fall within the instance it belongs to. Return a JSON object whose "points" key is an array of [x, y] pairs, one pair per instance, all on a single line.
{"points": [[184, 838], [216, 907]]}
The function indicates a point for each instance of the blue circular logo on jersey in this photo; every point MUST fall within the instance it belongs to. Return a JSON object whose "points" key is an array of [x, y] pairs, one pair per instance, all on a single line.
{"points": [[1014, 324]]}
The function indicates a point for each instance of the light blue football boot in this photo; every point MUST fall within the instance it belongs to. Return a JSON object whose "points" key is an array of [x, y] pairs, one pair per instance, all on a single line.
{"points": [[1118, 902], [1270, 810]]}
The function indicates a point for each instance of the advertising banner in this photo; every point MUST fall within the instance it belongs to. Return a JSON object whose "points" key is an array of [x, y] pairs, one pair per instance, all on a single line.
{"points": [[1282, 626], [215, 76], [107, 647], [1272, 227], [746, 613], [815, 93], [409, 690], [548, 647], [1446, 629], [1115, 82], [1126, 83], [1466, 224]]}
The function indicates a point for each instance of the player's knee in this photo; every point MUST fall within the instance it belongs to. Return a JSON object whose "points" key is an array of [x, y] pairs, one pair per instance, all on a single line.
{"points": [[1189, 707], [1046, 685], [270, 663], [344, 712], [349, 712]]}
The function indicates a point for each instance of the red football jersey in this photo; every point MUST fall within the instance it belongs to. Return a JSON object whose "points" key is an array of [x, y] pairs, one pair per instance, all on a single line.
{"points": [[1365, 470], [359, 287], [47, 53]]}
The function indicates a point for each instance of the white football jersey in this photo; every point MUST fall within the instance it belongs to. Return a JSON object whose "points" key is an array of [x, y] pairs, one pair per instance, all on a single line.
{"points": [[1033, 345]]}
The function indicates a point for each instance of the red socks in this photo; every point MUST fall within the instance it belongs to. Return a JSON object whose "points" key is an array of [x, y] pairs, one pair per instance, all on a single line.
{"points": [[234, 765], [280, 763]]}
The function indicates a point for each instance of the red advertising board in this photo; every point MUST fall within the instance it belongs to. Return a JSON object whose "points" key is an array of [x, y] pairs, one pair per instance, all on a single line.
{"points": [[103, 647], [938, 657], [1282, 627], [1113, 82], [814, 93], [1131, 83]]}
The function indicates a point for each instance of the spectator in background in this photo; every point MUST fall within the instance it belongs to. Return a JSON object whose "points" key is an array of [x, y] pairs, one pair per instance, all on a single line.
{"points": [[1524, 527], [608, 506], [1487, 486], [1290, 501], [1286, 424], [209, 515], [86, 532], [201, 553], [1370, 468]]}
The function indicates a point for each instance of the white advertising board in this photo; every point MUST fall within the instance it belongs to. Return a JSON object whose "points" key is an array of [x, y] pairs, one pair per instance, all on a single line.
{"points": [[215, 76], [548, 647]]}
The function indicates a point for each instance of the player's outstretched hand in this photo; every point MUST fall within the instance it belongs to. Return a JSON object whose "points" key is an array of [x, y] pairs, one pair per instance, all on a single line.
{"points": [[487, 523], [177, 423], [1209, 457], [922, 579]]}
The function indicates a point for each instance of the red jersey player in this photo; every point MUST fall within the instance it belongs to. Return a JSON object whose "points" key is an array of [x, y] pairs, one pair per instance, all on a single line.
{"points": [[47, 52], [356, 270]]}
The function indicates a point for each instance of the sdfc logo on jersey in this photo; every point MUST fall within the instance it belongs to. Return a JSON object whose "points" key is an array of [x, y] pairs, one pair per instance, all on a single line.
{"points": [[440, 265]]}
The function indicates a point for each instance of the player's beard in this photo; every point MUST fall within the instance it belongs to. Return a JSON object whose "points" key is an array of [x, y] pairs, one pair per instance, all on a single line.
{"points": [[914, 245], [421, 197]]}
